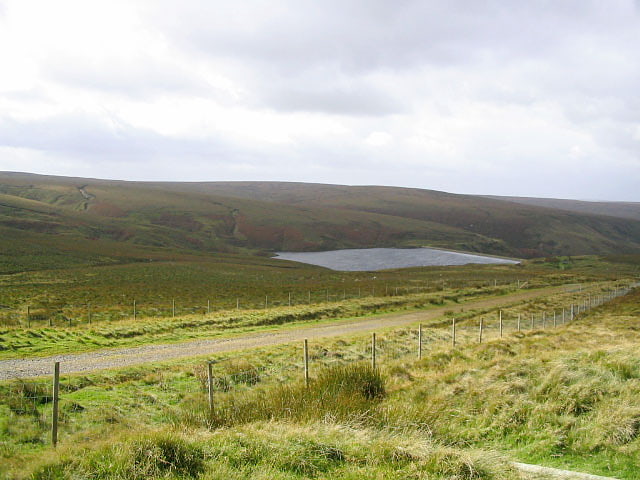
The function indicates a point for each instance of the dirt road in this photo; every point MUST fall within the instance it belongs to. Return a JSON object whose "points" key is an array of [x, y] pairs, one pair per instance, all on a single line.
{"points": [[124, 357]]}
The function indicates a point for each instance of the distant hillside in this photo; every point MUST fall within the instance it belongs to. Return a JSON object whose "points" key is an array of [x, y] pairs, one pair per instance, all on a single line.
{"points": [[630, 210], [48, 221]]}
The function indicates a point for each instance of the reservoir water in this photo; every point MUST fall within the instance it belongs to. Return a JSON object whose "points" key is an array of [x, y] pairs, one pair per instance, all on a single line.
{"points": [[368, 259]]}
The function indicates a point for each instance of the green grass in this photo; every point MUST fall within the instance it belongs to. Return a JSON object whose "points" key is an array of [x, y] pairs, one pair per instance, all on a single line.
{"points": [[565, 397], [43, 341], [107, 293]]}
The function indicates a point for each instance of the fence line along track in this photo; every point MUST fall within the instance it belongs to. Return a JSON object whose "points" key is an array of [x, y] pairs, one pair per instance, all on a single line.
{"points": [[87, 312], [122, 357], [31, 396]]}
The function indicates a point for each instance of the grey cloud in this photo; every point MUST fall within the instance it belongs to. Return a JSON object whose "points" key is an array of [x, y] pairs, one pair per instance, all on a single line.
{"points": [[366, 35], [86, 136], [139, 79], [548, 46], [564, 72], [337, 100]]}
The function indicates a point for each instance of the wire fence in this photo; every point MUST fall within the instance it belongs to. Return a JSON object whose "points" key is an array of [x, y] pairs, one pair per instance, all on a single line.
{"points": [[61, 313], [52, 404]]}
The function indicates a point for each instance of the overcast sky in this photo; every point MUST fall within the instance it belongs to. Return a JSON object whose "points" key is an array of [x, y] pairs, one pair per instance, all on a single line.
{"points": [[531, 98]]}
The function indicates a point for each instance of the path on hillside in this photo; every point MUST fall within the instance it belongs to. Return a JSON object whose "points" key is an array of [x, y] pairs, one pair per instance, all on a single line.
{"points": [[124, 357]]}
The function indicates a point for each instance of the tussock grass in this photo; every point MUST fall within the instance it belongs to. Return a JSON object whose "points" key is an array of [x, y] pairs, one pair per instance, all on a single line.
{"points": [[348, 393], [151, 455], [271, 450], [566, 397]]}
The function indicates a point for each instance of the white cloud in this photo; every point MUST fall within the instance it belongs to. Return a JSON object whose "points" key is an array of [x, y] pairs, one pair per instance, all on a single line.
{"points": [[525, 98], [378, 139]]}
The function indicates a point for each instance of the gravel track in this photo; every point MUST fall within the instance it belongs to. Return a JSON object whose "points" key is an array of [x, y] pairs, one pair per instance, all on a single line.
{"points": [[124, 357]]}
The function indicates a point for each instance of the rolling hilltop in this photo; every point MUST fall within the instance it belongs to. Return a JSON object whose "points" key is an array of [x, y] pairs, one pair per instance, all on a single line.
{"points": [[48, 221], [615, 209]]}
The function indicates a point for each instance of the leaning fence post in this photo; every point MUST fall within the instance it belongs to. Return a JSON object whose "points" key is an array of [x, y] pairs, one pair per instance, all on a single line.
{"points": [[56, 390], [481, 327], [419, 341], [453, 332], [306, 363], [210, 384], [373, 350]]}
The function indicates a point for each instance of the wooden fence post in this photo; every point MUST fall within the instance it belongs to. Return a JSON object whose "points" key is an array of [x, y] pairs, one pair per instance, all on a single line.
{"points": [[309, 295], [208, 306], [266, 301], [89, 313], [28, 316], [571, 317], [306, 363], [453, 333], [500, 323], [419, 341], [544, 319], [555, 323], [173, 308], [373, 350], [481, 327], [533, 321], [135, 313], [289, 298], [237, 303], [518, 322], [210, 384], [56, 390]]}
